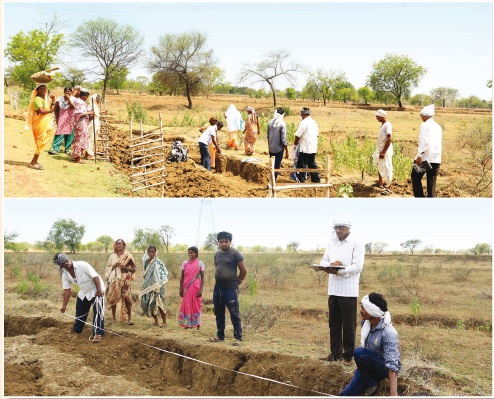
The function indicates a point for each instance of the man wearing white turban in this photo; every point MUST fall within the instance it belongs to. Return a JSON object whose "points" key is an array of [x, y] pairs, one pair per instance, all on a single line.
{"points": [[378, 358], [383, 156], [343, 260], [306, 138], [428, 158]]}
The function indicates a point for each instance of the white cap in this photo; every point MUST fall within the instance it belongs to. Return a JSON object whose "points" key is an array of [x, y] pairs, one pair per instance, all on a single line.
{"points": [[428, 110], [381, 112]]}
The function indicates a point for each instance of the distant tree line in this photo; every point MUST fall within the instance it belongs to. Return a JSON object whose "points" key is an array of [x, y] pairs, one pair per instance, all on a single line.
{"points": [[182, 64]]}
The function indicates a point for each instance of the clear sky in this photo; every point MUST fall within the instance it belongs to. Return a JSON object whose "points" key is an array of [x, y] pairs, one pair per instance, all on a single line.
{"points": [[453, 40], [442, 223]]}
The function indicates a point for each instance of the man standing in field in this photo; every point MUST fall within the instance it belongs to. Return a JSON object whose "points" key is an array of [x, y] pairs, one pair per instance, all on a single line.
{"points": [[307, 135], [378, 358], [383, 156], [344, 250], [225, 294], [428, 158], [91, 289]]}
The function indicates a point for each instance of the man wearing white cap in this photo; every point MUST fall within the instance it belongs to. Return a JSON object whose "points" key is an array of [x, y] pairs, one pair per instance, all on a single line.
{"points": [[378, 358], [343, 261], [428, 158], [383, 156]]}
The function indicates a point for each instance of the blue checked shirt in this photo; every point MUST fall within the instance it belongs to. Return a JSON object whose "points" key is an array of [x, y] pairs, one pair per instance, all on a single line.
{"points": [[383, 341]]}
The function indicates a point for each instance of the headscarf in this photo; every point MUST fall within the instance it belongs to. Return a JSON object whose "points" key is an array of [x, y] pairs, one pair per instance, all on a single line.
{"points": [[374, 311], [31, 111], [253, 110], [233, 119], [277, 118], [342, 220], [96, 106], [381, 112], [305, 111], [60, 260], [428, 110]]}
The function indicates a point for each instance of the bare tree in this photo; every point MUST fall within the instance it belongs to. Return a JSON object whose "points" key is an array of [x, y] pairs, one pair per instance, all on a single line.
{"points": [[447, 95], [379, 247], [166, 232], [274, 66], [185, 56], [112, 46]]}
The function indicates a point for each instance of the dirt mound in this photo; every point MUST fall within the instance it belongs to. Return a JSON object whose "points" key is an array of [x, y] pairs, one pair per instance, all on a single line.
{"points": [[126, 364]]}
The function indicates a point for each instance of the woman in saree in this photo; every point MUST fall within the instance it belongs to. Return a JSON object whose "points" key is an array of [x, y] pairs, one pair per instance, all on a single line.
{"points": [[152, 293], [81, 121], [251, 131], [94, 124], [212, 146], [40, 121], [234, 123], [191, 286], [64, 116], [119, 273]]}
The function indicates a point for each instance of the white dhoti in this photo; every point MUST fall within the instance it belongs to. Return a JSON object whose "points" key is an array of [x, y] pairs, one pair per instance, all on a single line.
{"points": [[384, 166]]}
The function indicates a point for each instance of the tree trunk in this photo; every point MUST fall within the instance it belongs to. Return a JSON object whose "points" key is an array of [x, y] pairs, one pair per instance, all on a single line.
{"points": [[399, 103], [103, 94], [273, 91], [189, 99]]}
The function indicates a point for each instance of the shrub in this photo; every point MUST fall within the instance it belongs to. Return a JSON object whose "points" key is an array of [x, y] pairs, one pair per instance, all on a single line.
{"points": [[136, 112]]}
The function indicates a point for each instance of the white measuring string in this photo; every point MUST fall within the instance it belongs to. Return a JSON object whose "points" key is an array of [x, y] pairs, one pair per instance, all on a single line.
{"points": [[206, 363]]}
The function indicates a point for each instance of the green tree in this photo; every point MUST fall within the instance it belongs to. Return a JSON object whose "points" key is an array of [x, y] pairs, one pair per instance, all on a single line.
{"points": [[421, 100], [366, 94], [10, 237], [142, 83], [446, 95], [395, 74], [47, 246], [166, 233], [111, 46], [66, 233], [143, 238], [33, 52], [292, 246], [290, 93], [211, 242], [73, 77], [106, 241], [117, 81], [184, 56], [368, 248], [212, 78], [481, 249], [346, 94], [411, 244], [274, 66]]}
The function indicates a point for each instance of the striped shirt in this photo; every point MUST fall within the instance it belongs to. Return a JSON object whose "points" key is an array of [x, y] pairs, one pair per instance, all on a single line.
{"points": [[351, 253], [383, 341]]}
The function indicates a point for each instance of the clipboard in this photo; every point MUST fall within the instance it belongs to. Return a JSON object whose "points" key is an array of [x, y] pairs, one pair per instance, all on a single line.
{"points": [[316, 266]]}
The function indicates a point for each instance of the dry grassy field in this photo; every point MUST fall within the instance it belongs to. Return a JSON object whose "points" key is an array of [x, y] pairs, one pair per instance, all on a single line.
{"points": [[441, 306], [466, 170]]}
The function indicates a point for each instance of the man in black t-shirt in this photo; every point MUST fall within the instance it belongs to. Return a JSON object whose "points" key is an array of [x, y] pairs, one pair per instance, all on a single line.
{"points": [[225, 294]]}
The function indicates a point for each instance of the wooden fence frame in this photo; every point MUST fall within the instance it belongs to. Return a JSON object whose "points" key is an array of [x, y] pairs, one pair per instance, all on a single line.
{"points": [[273, 187], [142, 147]]}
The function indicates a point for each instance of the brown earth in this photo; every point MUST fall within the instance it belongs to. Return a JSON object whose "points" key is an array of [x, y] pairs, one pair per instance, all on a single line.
{"points": [[44, 358]]}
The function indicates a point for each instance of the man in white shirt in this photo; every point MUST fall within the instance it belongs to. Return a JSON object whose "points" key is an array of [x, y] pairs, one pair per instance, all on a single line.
{"points": [[208, 136], [91, 289], [346, 254], [307, 135], [383, 156], [428, 158]]}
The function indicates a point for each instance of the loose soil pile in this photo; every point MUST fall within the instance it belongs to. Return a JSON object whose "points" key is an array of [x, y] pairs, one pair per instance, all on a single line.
{"points": [[43, 357]]}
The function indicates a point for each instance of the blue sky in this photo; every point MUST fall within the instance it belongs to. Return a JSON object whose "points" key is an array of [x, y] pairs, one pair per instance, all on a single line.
{"points": [[442, 223], [453, 40]]}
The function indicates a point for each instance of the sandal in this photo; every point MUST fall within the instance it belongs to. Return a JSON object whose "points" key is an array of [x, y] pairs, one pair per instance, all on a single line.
{"points": [[236, 343], [130, 323], [163, 326], [95, 339], [36, 166], [215, 339], [386, 191]]}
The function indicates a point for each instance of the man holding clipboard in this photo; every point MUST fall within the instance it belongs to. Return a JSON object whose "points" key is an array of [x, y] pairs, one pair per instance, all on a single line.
{"points": [[343, 261]]}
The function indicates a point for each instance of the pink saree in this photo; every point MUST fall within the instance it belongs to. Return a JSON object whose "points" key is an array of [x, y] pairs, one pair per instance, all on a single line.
{"points": [[189, 315]]}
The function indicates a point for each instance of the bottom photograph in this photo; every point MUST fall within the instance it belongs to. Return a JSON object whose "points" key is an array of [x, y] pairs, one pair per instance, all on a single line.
{"points": [[247, 297]]}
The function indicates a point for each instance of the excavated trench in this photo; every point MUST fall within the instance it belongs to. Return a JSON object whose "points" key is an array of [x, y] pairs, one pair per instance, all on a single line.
{"points": [[43, 358]]}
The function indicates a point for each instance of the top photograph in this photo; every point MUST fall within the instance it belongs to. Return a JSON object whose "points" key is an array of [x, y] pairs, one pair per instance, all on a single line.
{"points": [[247, 100]]}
